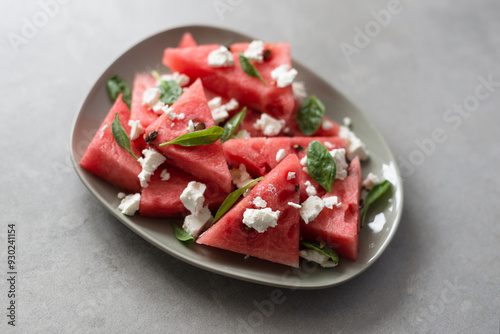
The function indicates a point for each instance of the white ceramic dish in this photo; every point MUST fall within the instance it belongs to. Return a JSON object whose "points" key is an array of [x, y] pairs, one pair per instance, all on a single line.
{"points": [[374, 238]]}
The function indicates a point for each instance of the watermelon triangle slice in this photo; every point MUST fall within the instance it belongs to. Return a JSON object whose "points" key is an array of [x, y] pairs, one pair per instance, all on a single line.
{"points": [[138, 111], [232, 81], [339, 227], [187, 41], [106, 159], [206, 162], [278, 244]]}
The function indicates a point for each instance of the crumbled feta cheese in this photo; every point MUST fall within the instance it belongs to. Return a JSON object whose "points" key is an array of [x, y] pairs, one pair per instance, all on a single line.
{"points": [[255, 51], [130, 204], [220, 57], [355, 147], [232, 104], [180, 78], [283, 75], [291, 175], [340, 163], [150, 96], [103, 129], [221, 112], [192, 196], [310, 190], [299, 90], [294, 205], [136, 129], [347, 121], [280, 155], [269, 125], [303, 161], [328, 145], [165, 176], [157, 107], [152, 159], [242, 134], [372, 180], [331, 201], [215, 102], [315, 256], [190, 126], [167, 110], [196, 222], [311, 208], [240, 176], [260, 219], [121, 195], [259, 202], [326, 125]]}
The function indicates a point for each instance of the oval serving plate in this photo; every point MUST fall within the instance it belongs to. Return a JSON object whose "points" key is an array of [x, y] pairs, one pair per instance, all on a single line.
{"points": [[373, 239]]}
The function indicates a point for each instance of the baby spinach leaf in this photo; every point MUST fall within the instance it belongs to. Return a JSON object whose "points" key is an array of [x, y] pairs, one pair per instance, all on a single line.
{"points": [[321, 165], [310, 115], [202, 137], [249, 69], [325, 250], [182, 235], [373, 195], [232, 125], [116, 85], [120, 135], [169, 90]]}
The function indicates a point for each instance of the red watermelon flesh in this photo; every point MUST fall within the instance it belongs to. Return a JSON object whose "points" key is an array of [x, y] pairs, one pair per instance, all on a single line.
{"points": [[278, 244], [106, 159], [339, 227], [161, 199], [145, 114], [206, 162], [187, 41], [232, 81]]}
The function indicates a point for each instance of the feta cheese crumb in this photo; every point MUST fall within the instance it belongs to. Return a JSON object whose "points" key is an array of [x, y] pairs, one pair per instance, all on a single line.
{"points": [[240, 176], [130, 204], [215, 102], [151, 161], [269, 125], [260, 219], [315, 256], [311, 208], [326, 125], [192, 196], [355, 147], [221, 111], [136, 129], [347, 121], [280, 155], [150, 96], [220, 57], [180, 78], [196, 222], [372, 180], [340, 163], [310, 189], [259, 202], [291, 175], [255, 51], [190, 126], [121, 195], [299, 90], [331, 201], [294, 205], [283, 75], [242, 134], [157, 107], [165, 175]]}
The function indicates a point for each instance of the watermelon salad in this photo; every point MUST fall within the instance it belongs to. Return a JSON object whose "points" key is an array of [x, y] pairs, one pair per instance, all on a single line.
{"points": [[229, 147]]}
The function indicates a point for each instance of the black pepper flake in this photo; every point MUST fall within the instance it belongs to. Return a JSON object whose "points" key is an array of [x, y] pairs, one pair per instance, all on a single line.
{"points": [[199, 126], [297, 187], [299, 148], [267, 54], [150, 137]]}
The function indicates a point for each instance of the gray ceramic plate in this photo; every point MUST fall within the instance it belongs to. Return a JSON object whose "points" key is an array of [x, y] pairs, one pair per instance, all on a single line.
{"points": [[374, 238]]}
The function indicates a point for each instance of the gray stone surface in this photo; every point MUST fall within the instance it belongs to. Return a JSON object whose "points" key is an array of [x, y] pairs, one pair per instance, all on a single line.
{"points": [[82, 271]]}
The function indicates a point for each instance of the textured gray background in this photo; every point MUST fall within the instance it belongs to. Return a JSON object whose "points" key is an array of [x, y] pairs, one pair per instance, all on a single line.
{"points": [[83, 271]]}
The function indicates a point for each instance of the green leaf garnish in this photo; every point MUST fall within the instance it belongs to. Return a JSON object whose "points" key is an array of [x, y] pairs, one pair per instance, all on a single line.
{"points": [[310, 115], [120, 135], [373, 195], [321, 165], [325, 250], [169, 90], [116, 85], [249, 69], [232, 198], [232, 125], [202, 137], [182, 235]]}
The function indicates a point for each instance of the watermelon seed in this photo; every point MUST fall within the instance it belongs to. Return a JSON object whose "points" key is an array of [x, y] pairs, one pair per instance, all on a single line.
{"points": [[199, 126], [150, 137], [297, 187], [298, 148], [228, 47], [267, 54]]}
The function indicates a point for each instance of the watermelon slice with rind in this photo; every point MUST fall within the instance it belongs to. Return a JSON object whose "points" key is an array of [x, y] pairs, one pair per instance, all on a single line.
{"points": [[206, 162], [232, 81], [339, 227], [278, 244], [106, 159]]}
